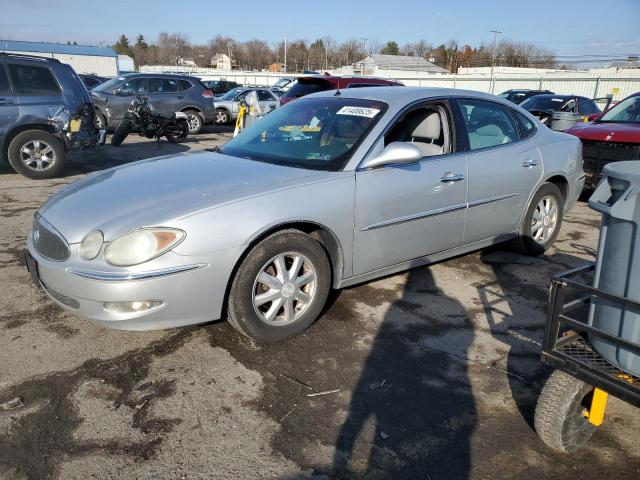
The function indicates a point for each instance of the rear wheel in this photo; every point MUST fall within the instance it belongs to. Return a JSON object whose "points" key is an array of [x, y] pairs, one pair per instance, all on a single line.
{"points": [[122, 131], [36, 154], [280, 288], [542, 221], [101, 121], [195, 121], [222, 116], [559, 418], [180, 133]]}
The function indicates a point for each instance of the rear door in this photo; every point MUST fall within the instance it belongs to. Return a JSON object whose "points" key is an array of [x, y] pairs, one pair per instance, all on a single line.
{"points": [[163, 95], [504, 166], [8, 102]]}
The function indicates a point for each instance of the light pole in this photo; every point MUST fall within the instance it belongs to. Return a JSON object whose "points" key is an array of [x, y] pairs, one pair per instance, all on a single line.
{"points": [[364, 51]]}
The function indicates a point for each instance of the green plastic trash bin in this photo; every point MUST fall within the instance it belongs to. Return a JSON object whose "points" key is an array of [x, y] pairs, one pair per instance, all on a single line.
{"points": [[617, 197]]}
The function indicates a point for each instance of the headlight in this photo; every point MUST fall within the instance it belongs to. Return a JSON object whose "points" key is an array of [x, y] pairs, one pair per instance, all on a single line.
{"points": [[91, 245], [142, 245]]}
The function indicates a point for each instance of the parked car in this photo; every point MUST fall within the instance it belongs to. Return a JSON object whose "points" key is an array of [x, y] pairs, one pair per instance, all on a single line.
{"points": [[326, 192], [45, 112], [320, 83], [91, 81], [520, 95], [610, 137], [219, 87], [284, 84], [543, 106], [167, 93], [228, 105]]}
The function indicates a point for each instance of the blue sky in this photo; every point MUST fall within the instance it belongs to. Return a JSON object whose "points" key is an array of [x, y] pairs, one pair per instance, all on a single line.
{"points": [[568, 27]]}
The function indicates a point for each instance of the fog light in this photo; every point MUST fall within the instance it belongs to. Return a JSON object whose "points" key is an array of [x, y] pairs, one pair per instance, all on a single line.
{"points": [[131, 307]]}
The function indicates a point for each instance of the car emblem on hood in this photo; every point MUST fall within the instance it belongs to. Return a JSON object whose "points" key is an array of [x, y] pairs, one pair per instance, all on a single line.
{"points": [[608, 137]]}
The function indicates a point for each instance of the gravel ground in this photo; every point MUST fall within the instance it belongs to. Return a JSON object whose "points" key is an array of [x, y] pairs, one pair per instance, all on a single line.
{"points": [[436, 373]]}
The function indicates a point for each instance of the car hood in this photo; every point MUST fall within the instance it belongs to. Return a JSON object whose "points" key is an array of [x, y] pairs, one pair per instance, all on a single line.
{"points": [[157, 191], [607, 132]]}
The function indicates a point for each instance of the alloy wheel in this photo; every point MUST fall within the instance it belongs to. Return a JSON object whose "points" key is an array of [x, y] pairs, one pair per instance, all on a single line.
{"points": [[37, 155], [545, 219], [194, 123], [284, 289]]}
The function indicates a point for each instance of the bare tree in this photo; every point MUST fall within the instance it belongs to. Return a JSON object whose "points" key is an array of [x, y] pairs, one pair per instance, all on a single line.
{"points": [[172, 47]]}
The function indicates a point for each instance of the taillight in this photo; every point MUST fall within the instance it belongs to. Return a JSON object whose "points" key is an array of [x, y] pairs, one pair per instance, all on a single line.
{"points": [[207, 93]]}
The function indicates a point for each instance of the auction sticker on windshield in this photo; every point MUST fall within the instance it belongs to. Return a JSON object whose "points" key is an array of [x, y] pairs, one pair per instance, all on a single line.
{"points": [[358, 111]]}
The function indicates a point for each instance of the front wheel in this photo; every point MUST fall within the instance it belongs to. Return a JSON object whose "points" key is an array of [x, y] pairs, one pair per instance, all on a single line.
{"points": [[542, 221], [36, 154], [195, 121], [179, 132], [122, 131], [222, 116], [559, 418], [280, 288]]}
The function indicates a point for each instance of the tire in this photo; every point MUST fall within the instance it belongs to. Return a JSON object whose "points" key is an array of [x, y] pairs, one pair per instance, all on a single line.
{"points": [[222, 116], [122, 132], [250, 317], [195, 121], [183, 130], [101, 121], [530, 241], [47, 158], [559, 419]]}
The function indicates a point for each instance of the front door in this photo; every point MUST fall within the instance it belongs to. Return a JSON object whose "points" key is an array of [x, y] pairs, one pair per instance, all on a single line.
{"points": [[118, 104], [404, 212], [8, 102], [504, 166]]}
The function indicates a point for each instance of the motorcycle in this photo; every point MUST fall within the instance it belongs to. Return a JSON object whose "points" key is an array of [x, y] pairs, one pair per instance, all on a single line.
{"points": [[141, 118]]}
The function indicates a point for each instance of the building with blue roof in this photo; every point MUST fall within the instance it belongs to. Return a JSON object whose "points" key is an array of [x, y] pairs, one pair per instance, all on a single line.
{"points": [[87, 59]]}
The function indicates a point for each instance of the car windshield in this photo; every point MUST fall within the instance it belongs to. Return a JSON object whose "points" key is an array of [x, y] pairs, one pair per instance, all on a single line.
{"points": [[108, 85], [315, 133], [542, 102], [282, 82], [627, 111], [231, 94]]}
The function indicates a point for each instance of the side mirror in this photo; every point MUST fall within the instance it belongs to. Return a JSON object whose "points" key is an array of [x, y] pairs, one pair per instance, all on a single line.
{"points": [[395, 153]]}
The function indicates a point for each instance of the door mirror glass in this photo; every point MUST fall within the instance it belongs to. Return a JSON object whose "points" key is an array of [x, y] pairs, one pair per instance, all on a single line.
{"points": [[397, 153]]}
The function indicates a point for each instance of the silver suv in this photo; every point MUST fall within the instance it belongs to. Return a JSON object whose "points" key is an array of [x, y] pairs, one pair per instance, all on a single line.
{"points": [[167, 94]]}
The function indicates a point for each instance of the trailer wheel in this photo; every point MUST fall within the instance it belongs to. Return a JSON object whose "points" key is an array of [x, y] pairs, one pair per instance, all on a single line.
{"points": [[559, 418]]}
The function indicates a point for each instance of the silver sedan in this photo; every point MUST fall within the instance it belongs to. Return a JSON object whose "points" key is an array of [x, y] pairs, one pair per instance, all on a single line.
{"points": [[329, 191], [227, 106]]}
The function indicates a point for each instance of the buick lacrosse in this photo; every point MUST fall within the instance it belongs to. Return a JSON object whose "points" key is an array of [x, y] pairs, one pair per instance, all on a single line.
{"points": [[332, 190]]}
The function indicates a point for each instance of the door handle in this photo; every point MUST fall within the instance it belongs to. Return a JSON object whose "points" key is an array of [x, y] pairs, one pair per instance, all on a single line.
{"points": [[529, 162], [451, 177]]}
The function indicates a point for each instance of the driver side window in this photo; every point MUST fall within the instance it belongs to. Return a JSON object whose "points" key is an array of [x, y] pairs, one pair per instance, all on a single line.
{"points": [[137, 85], [427, 127]]}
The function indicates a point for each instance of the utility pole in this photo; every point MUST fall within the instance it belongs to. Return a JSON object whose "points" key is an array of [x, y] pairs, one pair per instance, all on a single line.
{"points": [[364, 51], [285, 54], [493, 56]]}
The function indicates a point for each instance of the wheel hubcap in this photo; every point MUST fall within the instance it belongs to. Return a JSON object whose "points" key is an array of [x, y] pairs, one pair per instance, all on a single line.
{"points": [[221, 117], [545, 219], [37, 155], [284, 288], [194, 123]]}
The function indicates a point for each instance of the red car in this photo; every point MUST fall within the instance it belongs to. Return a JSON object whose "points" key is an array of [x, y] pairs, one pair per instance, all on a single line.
{"points": [[611, 136], [319, 83]]}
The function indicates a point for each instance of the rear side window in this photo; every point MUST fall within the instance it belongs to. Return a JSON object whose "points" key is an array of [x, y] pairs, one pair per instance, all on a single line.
{"points": [[5, 89], [307, 87], [488, 124], [184, 85], [162, 85], [363, 85], [527, 127], [33, 80]]}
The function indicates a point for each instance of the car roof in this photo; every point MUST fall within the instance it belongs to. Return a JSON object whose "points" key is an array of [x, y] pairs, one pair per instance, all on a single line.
{"points": [[392, 94], [161, 75]]}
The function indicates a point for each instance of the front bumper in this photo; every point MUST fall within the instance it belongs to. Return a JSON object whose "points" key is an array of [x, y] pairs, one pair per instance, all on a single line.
{"points": [[191, 290]]}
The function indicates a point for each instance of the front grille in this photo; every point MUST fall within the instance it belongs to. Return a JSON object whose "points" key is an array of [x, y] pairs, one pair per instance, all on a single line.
{"points": [[597, 154], [49, 243]]}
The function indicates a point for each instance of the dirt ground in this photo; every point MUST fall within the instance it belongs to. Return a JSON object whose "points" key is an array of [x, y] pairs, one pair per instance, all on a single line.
{"points": [[436, 372]]}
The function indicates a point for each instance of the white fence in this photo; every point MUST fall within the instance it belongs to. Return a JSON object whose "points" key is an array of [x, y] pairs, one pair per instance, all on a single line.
{"points": [[620, 84]]}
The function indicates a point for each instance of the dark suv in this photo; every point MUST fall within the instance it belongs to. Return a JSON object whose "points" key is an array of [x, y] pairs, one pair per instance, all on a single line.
{"points": [[45, 112], [220, 87], [167, 93], [320, 83]]}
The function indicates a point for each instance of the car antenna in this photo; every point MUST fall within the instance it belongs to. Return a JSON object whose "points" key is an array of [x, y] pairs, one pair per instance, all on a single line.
{"points": [[337, 94]]}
